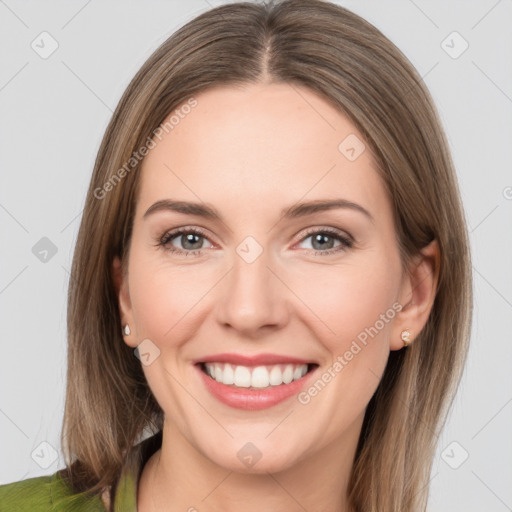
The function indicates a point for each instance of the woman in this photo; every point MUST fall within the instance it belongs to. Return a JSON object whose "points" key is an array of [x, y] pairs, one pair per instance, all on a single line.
{"points": [[270, 300]]}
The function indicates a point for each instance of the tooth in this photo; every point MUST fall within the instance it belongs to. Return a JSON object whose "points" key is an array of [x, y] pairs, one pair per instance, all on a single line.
{"points": [[209, 369], [275, 376], [218, 372], [242, 377], [259, 378], [297, 373], [228, 374], [288, 374]]}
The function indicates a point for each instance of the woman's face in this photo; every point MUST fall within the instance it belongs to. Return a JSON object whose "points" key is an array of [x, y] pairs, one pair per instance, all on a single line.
{"points": [[264, 276]]}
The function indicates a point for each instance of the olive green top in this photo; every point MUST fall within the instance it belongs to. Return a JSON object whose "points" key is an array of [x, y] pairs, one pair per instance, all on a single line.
{"points": [[52, 493]]}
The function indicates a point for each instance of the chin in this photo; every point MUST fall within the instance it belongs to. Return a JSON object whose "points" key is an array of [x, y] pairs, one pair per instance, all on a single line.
{"points": [[249, 459]]}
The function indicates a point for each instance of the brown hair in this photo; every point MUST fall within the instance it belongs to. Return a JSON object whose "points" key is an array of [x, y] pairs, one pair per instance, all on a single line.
{"points": [[350, 63]]}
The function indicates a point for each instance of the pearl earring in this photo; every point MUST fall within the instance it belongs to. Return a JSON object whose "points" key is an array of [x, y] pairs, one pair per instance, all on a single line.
{"points": [[127, 331], [406, 337]]}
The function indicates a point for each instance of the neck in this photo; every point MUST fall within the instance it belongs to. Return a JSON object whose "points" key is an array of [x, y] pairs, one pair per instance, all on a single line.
{"points": [[180, 475]]}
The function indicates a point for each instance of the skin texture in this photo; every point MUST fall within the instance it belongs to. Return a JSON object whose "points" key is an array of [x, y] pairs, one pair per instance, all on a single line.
{"points": [[250, 152]]}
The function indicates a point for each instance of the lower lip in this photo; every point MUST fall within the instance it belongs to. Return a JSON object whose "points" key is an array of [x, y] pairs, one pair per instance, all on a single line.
{"points": [[253, 399]]}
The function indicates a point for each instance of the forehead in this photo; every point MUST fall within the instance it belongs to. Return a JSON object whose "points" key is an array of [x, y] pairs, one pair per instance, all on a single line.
{"points": [[257, 145]]}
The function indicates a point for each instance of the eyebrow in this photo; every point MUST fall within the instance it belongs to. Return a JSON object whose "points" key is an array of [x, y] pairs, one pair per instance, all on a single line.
{"points": [[292, 212]]}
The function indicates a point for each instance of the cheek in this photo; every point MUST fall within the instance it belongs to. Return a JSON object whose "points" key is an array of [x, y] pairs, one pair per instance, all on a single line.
{"points": [[169, 297], [350, 298], [354, 302], [161, 300]]}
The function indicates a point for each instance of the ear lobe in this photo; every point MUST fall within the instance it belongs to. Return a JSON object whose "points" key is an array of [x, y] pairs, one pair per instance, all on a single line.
{"points": [[120, 281], [417, 295]]}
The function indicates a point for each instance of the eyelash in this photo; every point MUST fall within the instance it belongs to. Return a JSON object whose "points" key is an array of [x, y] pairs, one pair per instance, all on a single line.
{"points": [[346, 242]]}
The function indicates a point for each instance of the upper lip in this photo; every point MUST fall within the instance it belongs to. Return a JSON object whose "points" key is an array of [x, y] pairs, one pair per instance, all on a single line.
{"points": [[255, 360]]}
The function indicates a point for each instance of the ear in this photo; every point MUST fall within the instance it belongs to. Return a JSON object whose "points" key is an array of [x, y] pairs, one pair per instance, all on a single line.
{"points": [[417, 294], [120, 280]]}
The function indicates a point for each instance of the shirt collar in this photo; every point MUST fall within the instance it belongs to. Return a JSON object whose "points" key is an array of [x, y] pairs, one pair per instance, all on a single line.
{"points": [[125, 499]]}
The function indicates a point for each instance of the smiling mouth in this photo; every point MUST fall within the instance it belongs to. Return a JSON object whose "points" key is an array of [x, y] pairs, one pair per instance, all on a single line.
{"points": [[256, 377]]}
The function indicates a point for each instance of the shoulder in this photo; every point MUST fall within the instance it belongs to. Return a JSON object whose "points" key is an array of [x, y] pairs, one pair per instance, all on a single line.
{"points": [[33, 493], [45, 493]]}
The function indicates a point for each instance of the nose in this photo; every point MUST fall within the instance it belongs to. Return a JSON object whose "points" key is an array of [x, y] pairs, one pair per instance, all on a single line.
{"points": [[252, 299]]}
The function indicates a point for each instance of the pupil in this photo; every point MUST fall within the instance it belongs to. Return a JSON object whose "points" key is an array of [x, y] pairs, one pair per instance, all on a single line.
{"points": [[189, 240], [321, 238]]}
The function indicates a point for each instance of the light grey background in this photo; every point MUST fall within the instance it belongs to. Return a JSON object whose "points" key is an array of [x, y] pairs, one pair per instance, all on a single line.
{"points": [[53, 112]]}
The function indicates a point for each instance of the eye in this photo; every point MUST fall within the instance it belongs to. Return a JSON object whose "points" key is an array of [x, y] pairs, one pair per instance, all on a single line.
{"points": [[190, 239], [323, 241]]}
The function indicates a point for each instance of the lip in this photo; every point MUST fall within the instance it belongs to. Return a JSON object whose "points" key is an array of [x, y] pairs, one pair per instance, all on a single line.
{"points": [[253, 399], [255, 360]]}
